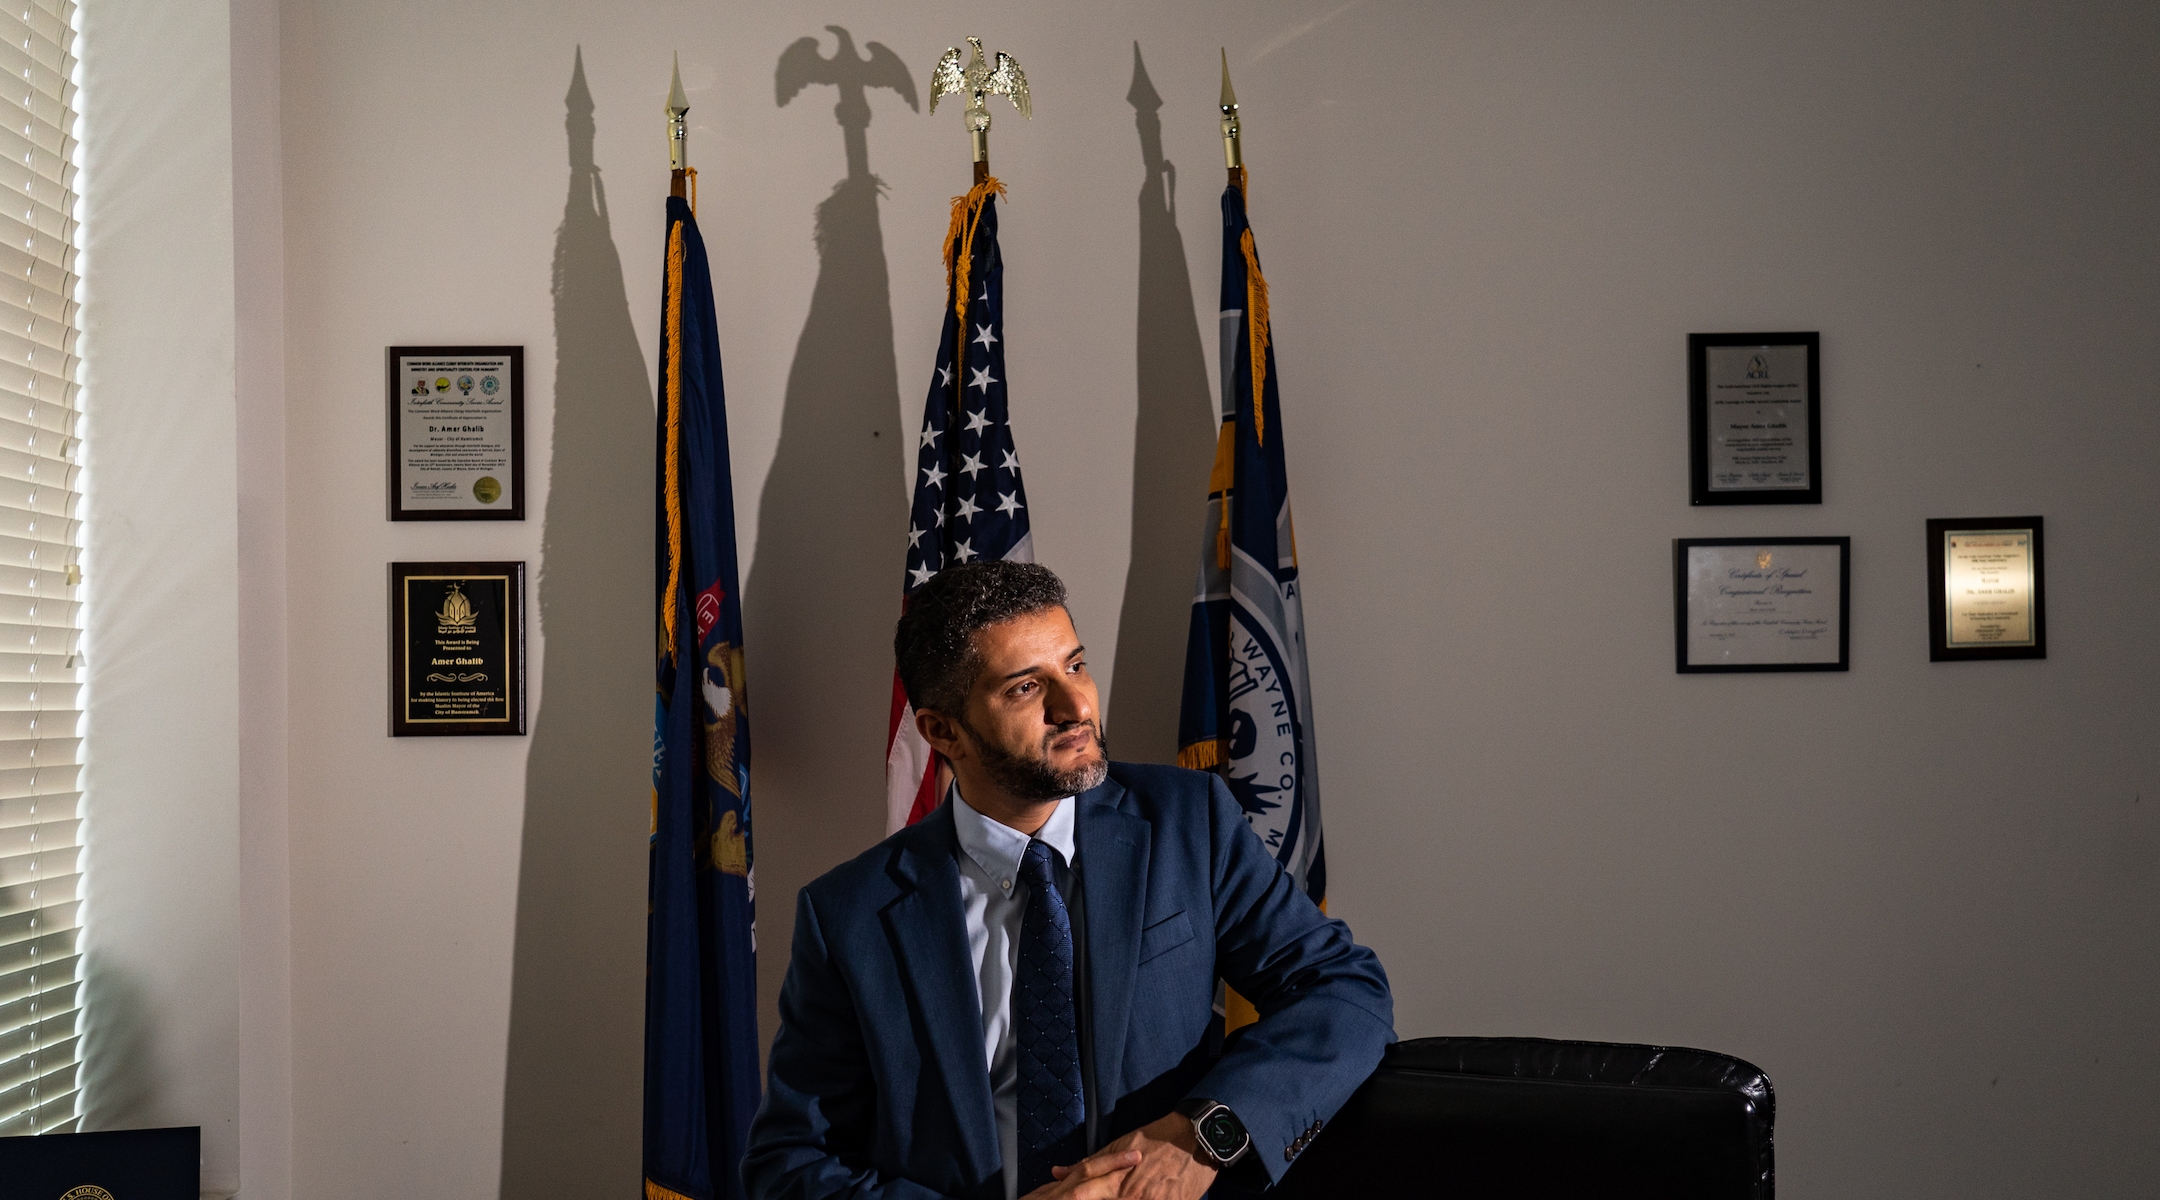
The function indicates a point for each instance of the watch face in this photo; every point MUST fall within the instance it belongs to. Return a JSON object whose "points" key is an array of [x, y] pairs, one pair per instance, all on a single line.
{"points": [[1223, 1132]]}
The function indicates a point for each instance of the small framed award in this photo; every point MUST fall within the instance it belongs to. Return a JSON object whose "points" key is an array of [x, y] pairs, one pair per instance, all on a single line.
{"points": [[457, 433], [457, 648], [1762, 604], [1985, 594], [1754, 418]]}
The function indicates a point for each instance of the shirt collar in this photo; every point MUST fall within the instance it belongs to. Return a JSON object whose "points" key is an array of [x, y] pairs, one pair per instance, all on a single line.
{"points": [[998, 848]]}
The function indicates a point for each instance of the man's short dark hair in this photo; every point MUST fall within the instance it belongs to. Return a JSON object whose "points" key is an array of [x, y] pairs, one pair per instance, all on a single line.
{"points": [[935, 643]]}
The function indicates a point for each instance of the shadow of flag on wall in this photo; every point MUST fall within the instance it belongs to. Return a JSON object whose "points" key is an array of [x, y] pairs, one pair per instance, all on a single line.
{"points": [[701, 1043]]}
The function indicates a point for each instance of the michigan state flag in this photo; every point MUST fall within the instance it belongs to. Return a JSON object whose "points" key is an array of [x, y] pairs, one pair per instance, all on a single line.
{"points": [[1247, 709], [969, 504], [701, 1043]]}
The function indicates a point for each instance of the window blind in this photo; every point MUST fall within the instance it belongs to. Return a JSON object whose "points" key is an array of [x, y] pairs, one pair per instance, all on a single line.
{"points": [[40, 573]]}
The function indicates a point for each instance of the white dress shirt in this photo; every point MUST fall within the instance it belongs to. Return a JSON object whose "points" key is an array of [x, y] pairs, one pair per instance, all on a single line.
{"points": [[994, 897]]}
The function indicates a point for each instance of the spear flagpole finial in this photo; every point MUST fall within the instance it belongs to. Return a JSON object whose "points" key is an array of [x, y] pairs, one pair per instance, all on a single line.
{"points": [[678, 152], [1233, 153], [975, 80]]}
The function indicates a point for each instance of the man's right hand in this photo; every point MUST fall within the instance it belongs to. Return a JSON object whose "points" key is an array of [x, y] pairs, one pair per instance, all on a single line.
{"points": [[1096, 1178]]}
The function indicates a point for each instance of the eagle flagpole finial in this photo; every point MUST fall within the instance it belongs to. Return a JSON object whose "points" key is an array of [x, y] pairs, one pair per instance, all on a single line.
{"points": [[975, 80]]}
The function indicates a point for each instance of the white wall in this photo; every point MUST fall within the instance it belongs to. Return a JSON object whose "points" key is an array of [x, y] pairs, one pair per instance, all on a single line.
{"points": [[162, 938], [1919, 895]]}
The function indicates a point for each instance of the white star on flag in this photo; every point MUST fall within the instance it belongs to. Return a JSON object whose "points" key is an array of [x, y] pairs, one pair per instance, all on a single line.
{"points": [[968, 508], [1008, 502], [914, 536], [932, 476], [964, 552], [979, 421], [930, 437], [921, 574], [979, 377], [986, 291], [983, 336], [944, 375], [971, 465], [1011, 463]]}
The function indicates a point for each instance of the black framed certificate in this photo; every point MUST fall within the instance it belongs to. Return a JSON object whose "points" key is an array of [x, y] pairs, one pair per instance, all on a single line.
{"points": [[1754, 418], [1762, 604], [457, 433], [1986, 601], [457, 648]]}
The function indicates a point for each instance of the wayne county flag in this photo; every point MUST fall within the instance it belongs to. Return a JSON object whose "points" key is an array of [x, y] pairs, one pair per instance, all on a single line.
{"points": [[1247, 710]]}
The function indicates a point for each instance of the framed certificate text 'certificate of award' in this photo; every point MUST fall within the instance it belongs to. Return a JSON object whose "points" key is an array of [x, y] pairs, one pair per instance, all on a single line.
{"points": [[457, 648], [1762, 604], [457, 433], [1984, 582], [1754, 418]]}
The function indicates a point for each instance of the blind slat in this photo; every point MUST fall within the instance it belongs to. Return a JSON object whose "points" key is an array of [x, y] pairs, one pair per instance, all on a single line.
{"points": [[33, 613], [42, 780], [29, 868], [40, 838], [47, 498], [51, 972], [35, 697], [33, 958], [22, 897]]}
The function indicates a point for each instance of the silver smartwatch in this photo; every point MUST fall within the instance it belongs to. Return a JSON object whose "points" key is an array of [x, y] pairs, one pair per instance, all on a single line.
{"points": [[1222, 1137]]}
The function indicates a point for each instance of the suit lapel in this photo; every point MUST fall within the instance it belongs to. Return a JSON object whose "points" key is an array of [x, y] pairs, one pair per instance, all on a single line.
{"points": [[929, 937], [1114, 865]]}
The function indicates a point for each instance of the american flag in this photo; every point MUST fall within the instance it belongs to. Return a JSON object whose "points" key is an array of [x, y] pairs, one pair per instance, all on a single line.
{"points": [[969, 502]]}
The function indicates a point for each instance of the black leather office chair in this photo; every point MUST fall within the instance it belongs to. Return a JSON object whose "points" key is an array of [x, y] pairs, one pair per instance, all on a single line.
{"points": [[1526, 1118]]}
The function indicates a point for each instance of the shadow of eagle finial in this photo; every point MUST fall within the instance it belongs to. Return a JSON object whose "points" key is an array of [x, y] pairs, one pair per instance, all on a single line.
{"points": [[801, 65]]}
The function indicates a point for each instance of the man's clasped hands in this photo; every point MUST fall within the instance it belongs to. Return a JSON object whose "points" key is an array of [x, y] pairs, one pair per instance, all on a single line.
{"points": [[1153, 1162]]}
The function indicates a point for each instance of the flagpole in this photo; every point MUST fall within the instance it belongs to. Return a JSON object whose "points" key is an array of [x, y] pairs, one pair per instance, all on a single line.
{"points": [[678, 153], [1233, 152]]}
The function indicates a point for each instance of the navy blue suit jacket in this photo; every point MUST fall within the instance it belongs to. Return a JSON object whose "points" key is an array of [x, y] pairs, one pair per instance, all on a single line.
{"points": [[879, 1086]]}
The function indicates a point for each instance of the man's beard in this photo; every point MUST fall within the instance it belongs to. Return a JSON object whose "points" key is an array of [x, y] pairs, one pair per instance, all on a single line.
{"points": [[1031, 777]]}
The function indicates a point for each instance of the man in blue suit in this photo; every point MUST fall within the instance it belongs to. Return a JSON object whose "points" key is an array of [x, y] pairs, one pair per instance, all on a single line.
{"points": [[1015, 996]]}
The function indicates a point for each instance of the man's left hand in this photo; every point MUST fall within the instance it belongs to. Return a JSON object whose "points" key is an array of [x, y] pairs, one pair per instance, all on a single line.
{"points": [[1169, 1167]]}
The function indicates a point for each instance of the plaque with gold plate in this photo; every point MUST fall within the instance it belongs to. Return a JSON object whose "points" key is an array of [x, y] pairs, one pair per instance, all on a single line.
{"points": [[1986, 598], [457, 433], [457, 648]]}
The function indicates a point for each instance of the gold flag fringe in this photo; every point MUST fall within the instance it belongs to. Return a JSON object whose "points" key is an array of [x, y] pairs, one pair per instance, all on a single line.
{"points": [[1256, 319], [654, 1191], [960, 236], [674, 433], [1256, 313]]}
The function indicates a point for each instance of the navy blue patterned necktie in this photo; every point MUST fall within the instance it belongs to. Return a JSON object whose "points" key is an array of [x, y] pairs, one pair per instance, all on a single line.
{"points": [[1046, 1029]]}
